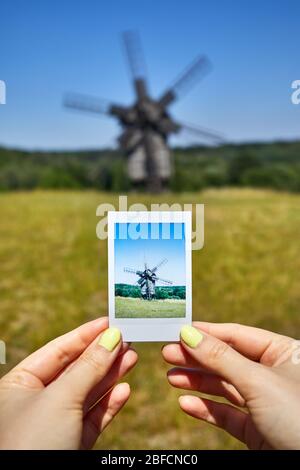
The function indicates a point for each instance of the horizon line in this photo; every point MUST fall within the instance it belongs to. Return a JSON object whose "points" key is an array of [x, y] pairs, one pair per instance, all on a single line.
{"points": [[279, 140]]}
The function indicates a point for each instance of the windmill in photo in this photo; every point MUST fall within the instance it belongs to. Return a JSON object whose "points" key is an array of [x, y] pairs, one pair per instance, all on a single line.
{"points": [[147, 124], [148, 278]]}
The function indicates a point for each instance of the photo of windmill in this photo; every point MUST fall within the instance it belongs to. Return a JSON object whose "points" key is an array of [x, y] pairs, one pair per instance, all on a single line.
{"points": [[147, 280], [150, 275], [147, 124]]}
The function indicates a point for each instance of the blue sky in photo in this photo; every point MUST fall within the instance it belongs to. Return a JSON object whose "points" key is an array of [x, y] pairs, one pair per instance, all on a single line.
{"points": [[50, 47], [133, 253]]}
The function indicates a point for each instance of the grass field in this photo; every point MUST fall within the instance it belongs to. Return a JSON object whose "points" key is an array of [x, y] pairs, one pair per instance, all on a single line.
{"points": [[54, 277], [127, 307]]}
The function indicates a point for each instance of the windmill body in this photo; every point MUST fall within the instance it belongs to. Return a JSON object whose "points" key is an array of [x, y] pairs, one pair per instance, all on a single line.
{"points": [[147, 124], [148, 278], [137, 162]]}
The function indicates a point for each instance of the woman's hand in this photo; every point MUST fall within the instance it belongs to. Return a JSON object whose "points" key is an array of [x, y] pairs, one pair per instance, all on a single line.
{"points": [[256, 370], [51, 399]]}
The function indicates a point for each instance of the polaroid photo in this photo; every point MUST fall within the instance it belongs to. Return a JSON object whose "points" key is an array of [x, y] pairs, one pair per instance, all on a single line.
{"points": [[149, 274]]}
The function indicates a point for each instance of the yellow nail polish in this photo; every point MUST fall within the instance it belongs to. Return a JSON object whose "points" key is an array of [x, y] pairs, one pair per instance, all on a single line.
{"points": [[110, 338], [191, 336]]}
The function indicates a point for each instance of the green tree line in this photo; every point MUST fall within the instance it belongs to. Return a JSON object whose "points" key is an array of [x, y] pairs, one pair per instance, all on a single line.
{"points": [[161, 292], [260, 165]]}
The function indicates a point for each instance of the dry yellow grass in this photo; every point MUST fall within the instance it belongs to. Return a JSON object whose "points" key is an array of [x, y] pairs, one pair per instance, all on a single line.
{"points": [[54, 277]]}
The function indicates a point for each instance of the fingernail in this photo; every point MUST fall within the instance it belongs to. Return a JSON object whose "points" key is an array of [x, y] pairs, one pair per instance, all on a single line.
{"points": [[110, 338], [191, 336]]}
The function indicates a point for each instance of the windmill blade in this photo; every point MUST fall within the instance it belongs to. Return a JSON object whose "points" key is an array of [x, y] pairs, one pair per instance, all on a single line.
{"points": [[133, 271], [166, 125], [136, 61], [130, 139], [189, 77], [162, 262], [203, 132], [165, 281], [95, 105], [86, 103], [134, 53]]}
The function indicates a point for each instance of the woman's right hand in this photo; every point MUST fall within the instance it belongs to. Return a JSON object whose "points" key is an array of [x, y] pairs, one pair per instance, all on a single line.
{"points": [[256, 370]]}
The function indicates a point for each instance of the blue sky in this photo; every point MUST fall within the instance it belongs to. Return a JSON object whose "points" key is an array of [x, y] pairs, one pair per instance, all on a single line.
{"points": [[49, 47], [133, 254]]}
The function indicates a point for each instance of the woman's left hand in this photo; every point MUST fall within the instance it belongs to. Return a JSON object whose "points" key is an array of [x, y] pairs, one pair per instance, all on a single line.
{"points": [[64, 395]]}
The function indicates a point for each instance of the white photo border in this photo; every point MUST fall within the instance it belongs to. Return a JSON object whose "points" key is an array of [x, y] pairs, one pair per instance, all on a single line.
{"points": [[149, 329]]}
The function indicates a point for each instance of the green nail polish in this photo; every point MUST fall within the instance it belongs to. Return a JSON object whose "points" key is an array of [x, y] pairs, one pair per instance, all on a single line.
{"points": [[191, 336], [110, 338]]}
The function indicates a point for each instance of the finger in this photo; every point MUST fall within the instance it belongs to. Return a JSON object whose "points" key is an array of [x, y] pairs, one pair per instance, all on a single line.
{"points": [[221, 415], [103, 413], [123, 349], [51, 359], [255, 343], [175, 354], [204, 383], [91, 367], [219, 358], [120, 368]]}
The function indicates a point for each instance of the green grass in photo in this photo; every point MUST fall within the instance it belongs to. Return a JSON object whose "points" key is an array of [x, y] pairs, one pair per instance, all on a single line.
{"points": [[128, 307]]}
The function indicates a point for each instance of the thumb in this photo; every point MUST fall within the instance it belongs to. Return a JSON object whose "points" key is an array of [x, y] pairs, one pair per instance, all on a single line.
{"points": [[92, 366], [219, 358]]}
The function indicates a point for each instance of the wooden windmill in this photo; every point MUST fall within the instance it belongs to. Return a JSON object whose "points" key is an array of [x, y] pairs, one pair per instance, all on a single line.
{"points": [[147, 123], [148, 278]]}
